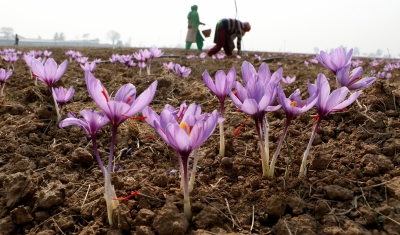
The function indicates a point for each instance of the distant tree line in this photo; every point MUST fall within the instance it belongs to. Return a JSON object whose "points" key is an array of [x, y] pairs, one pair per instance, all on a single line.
{"points": [[356, 52], [59, 36]]}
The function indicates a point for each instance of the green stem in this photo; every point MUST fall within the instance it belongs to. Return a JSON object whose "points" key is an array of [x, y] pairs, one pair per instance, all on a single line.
{"points": [[96, 153], [109, 194], [194, 169], [221, 139], [303, 167], [186, 200], [270, 173]]}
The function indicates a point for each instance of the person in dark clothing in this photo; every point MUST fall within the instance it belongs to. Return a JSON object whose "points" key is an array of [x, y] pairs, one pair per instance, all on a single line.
{"points": [[16, 39], [226, 31]]}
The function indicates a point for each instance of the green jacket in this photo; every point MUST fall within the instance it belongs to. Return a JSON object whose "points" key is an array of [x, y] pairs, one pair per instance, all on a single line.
{"points": [[193, 17]]}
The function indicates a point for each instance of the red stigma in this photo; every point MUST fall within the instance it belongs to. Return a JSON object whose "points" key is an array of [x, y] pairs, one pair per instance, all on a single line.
{"points": [[180, 114], [128, 100], [104, 94], [139, 118], [236, 133], [354, 81], [127, 197]]}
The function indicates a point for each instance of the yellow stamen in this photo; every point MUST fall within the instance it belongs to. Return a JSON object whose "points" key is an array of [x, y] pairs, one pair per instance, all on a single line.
{"points": [[351, 75], [294, 103], [185, 127]]}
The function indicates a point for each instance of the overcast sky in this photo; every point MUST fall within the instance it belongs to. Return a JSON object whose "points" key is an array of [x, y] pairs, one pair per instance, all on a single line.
{"points": [[296, 26]]}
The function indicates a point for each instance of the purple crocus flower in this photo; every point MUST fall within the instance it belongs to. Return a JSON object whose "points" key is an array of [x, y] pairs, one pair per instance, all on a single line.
{"points": [[82, 60], [327, 103], [89, 66], [336, 60], [352, 80], [155, 53], [264, 73], [142, 56], [257, 98], [221, 88], [293, 106], [124, 105], [169, 67], [114, 58], [4, 76], [220, 56], [288, 80], [69, 53], [61, 96], [91, 122], [185, 138], [374, 63], [123, 59], [203, 55], [48, 72], [182, 71], [76, 55], [314, 61], [47, 53], [11, 58]]}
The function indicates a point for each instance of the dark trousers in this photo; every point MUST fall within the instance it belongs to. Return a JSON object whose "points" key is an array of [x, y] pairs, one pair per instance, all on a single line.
{"points": [[222, 41]]}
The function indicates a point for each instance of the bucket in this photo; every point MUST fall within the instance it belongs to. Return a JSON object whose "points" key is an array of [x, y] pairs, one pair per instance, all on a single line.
{"points": [[206, 32]]}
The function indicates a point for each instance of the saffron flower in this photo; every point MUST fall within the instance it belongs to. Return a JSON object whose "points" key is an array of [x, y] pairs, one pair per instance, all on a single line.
{"points": [[91, 122], [314, 61], [185, 136], [11, 58], [169, 67], [293, 106], [255, 99], [89, 66], [220, 56], [288, 80], [154, 53], [4, 76], [123, 106], [352, 80], [221, 88], [142, 56], [182, 71], [114, 58], [374, 63], [61, 96], [82, 60], [203, 55], [336, 60], [49, 72], [47, 53], [327, 103]]}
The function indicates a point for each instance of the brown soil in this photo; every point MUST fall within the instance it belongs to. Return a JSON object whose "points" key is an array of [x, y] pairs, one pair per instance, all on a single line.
{"points": [[50, 184]]}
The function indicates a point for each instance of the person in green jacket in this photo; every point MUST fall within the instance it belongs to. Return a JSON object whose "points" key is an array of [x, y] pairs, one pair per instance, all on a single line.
{"points": [[193, 34]]}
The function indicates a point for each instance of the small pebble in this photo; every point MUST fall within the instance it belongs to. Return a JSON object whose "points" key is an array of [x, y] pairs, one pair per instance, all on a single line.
{"points": [[241, 178]]}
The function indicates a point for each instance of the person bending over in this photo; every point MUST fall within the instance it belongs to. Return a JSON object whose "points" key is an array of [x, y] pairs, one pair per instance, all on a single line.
{"points": [[226, 31]]}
